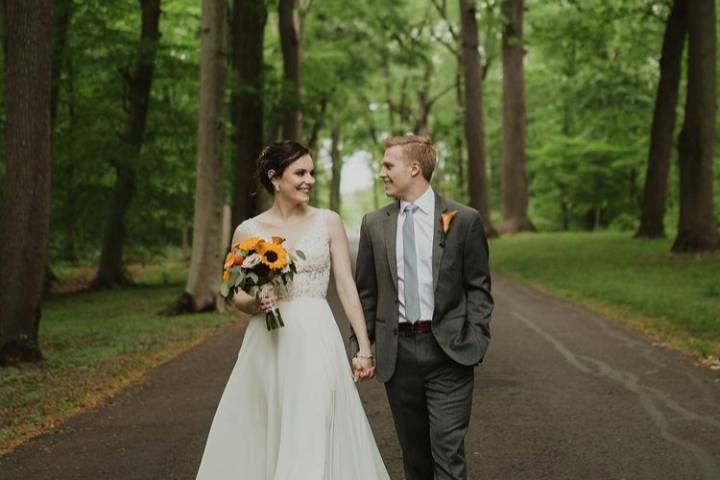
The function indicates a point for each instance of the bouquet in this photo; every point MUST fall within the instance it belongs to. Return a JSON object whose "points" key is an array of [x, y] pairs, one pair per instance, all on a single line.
{"points": [[256, 266]]}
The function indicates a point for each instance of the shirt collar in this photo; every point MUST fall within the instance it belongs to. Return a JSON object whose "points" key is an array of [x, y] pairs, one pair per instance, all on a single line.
{"points": [[425, 202]]}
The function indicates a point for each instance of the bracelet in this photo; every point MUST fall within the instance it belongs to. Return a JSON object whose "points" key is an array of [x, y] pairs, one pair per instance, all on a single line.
{"points": [[368, 356]]}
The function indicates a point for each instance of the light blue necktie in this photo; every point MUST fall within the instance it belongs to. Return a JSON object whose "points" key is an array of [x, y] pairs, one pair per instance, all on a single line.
{"points": [[412, 297]]}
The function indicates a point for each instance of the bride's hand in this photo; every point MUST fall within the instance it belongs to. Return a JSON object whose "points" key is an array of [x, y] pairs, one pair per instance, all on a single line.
{"points": [[363, 368], [266, 301]]}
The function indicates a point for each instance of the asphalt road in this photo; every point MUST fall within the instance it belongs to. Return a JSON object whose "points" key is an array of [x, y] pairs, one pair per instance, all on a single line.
{"points": [[562, 394]]}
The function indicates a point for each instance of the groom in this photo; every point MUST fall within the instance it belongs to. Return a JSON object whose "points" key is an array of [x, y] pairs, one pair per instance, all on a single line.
{"points": [[424, 283]]}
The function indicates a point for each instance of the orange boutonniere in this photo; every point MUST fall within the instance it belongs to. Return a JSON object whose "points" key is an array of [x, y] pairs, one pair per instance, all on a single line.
{"points": [[446, 219]]}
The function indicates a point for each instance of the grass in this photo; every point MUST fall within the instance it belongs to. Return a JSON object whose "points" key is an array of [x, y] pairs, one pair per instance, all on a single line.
{"points": [[95, 344], [674, 298]]}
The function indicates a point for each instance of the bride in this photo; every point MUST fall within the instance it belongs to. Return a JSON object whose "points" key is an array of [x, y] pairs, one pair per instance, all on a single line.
{"points": [[290, 410]]}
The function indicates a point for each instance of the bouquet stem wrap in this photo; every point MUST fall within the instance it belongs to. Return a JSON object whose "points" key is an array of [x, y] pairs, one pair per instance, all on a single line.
{"points": [[273, 319]]}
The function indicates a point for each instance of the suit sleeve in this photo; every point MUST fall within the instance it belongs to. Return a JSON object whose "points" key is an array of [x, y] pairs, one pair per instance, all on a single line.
{"points": [[366, 282], [477, 280]]}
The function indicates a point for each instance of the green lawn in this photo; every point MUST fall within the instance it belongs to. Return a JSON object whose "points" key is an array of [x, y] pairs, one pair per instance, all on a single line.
{"points": [[96, 343], [675, 298]]}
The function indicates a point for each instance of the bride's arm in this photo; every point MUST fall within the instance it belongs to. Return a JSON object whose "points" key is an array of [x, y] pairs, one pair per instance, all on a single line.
{"points": [[344, 282], [246, 303]]}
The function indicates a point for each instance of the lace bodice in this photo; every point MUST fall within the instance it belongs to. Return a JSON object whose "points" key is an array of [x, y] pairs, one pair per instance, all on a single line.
{"points": [[313, 273]]}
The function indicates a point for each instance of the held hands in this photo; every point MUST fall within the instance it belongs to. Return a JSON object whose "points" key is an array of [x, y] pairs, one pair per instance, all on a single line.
{"points": [[363, 368]]}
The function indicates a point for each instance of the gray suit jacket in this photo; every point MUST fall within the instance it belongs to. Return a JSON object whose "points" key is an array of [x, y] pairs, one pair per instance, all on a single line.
{"points": [[461, 279]]}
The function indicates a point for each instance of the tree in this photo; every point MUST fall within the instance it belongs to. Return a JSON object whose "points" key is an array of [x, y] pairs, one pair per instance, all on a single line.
{"points": [[514, 179], [25, 216], [474, 123], [203, 282], [248, 32], [663, 124], [290, 41], [139, 82], [336, 158], [697, 228], [63, 13]]}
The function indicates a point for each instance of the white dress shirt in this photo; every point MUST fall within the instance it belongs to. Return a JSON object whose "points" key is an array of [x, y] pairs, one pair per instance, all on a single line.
{"points": [[424, 220]]}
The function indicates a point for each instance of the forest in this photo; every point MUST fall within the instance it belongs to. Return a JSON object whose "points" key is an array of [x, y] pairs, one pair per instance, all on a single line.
{"points": [[132, 127]]}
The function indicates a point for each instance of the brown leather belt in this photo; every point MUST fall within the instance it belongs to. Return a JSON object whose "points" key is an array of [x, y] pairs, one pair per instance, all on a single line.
{"points": [[421, 326]]}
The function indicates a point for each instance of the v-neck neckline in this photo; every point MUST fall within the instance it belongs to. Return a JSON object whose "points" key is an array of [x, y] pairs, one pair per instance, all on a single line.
{"points": [[300, 238]]}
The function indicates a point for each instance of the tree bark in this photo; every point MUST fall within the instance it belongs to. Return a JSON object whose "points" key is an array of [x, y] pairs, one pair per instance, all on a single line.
{"points": [[292, 68], [25, 216], [203, 282], [248, 34], [474, 123], [110, 271], [514, 179], [697, 228], [663, 124], [335, 198]]}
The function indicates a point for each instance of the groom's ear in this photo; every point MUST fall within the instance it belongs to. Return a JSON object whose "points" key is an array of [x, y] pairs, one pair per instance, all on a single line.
{"points": [[415, 168]]}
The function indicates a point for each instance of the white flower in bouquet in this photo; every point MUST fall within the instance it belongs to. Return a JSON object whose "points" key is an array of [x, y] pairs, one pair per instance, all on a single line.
{"points": [[251, 261]]}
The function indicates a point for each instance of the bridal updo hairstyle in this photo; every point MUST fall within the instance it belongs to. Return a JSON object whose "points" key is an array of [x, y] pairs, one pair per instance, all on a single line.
{"points": [[277, 156]]}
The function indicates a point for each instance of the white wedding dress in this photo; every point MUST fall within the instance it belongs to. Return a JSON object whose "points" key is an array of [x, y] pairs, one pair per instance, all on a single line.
{"points": [[290, 410]]}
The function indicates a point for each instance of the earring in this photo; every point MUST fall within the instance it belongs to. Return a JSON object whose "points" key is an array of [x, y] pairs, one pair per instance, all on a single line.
{"points": [[277, 187]]}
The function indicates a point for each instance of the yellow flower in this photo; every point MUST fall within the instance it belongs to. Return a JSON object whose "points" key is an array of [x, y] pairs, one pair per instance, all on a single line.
{"points": [[226, 276], [250, 243], [273, 255], [447, 219], [278, 240]]}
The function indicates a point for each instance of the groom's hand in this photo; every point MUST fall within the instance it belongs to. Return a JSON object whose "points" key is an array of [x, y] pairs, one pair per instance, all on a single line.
{"points": [[363, 369]]}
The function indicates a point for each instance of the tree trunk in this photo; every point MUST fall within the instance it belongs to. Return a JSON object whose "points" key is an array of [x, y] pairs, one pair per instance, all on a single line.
{"points": [[474, 127], [248, 34], [459, 96], [514, 179], [3, 26], [312, 145], [110, 271], [292, 68], [697, 230], [336, 169], [424, 101], [663, 124], [318, 124], [63, 12], [25, 216], [203, 282]]}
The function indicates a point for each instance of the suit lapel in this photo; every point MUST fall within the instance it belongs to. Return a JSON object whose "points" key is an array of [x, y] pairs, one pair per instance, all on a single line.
{"points": [[390, 228], [437, 250]]}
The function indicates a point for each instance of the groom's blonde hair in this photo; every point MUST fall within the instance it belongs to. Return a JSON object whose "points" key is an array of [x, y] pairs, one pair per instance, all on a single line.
{"points": [[417, 148]]}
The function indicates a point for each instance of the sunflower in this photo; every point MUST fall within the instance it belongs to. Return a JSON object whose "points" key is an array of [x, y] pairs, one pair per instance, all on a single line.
{"points": [[249, 243], [278, 240], [273, 255]]}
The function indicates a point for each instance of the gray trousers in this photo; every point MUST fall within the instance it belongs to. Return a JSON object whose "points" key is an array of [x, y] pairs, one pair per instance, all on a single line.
{"points": [[430, 396]]}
